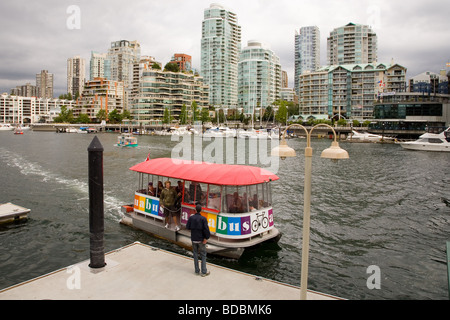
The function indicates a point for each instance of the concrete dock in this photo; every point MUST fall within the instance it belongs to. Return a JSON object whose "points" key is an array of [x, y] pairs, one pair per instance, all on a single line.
{"points": [[138, 272], [10, 212]]}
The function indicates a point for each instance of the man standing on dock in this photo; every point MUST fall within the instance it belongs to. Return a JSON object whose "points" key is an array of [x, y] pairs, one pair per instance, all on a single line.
{"points": [[199, 236]]}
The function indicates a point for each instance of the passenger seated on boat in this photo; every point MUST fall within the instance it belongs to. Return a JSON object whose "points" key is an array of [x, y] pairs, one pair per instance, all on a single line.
{"points": [[236, 204], [253, 202], [151, 189], [214, 201], [159, 189]]}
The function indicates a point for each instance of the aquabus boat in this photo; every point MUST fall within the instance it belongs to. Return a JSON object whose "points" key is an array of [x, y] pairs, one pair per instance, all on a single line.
{"points": [[236, 201]]}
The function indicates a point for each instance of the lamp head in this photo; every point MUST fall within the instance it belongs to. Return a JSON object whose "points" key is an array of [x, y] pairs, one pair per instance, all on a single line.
{"points": [[334, 152], [283, 150]]}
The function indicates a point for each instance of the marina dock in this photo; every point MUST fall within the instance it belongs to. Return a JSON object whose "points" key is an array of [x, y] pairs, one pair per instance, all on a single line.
{"points": [[10, 212], [142, 272]]}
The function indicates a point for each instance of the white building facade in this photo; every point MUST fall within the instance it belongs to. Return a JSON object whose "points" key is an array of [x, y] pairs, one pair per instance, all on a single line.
{"points": [[29, 110]]}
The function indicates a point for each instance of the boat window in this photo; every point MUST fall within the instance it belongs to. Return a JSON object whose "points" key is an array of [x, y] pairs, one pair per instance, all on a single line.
{"points": [[259, 196], [214, 196], [195, 193], [236, 199], [434, 140]]}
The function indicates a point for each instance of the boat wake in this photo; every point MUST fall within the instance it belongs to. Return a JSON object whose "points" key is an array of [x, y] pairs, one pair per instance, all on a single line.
{"points": [[111, 203]]}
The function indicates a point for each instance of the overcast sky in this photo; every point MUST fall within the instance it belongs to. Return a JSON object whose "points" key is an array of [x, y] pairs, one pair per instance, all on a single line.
{"points": [[35, 34]]}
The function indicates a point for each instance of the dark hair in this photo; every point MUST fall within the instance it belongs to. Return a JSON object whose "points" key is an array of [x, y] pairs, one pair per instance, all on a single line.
{"points": [[198, 208]]}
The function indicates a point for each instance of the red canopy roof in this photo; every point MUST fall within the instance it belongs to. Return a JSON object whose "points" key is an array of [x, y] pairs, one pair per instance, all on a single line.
{"points": [[213, 173]]}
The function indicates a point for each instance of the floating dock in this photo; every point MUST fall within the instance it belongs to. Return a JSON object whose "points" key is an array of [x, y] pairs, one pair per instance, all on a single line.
{"points": [[10, 212], [142, 272]]}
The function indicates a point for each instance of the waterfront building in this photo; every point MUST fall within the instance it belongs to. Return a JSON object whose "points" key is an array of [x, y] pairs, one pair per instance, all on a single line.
{"points": [[144, 62], [220, 47], [307, 52], [160, 90], [259, 77], [100, 66], [429, 83], [100, 94], [184, 61], [29, 110], [123, 55], [352, 44], [76, 75], [26, 90], [348, 91], [44, 83], [408, 112]]}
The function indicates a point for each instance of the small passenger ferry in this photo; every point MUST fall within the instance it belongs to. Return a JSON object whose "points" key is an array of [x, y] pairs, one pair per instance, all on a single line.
{"points": [[236, 201], [127, 140]]}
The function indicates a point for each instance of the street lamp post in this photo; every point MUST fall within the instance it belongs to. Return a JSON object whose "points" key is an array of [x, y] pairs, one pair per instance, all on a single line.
{"points": [[335, 153]]}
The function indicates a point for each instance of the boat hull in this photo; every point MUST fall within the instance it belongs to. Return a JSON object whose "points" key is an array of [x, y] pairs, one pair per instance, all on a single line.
{"points": [[216, 246], [425, 147]]}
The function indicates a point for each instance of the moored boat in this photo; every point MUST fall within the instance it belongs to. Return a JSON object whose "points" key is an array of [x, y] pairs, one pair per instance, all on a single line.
{"points": [[235, 199], [6, 127], [434, 139]]}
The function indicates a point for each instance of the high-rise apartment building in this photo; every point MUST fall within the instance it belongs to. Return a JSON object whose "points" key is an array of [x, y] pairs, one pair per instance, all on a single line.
{"points": [[259, 77], [220, 47], [76, 75], [123, 55], [44, 84], [100, 66], [100, 94], [348, 91], [160, 90], [352, 43], [307, 52]]}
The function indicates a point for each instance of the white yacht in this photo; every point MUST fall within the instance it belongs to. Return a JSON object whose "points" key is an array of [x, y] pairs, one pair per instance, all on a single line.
{"points": [[430, 141], [6, 127], [366, 137]]}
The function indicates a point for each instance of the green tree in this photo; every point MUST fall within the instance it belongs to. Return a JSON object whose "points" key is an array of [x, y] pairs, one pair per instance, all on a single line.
{"points": [[282, 113], [126, 115], [171, 67], [83, 118], [183, 114], [205, 115], [156, 66], [114, 117], [195, 112], [167, 118], [65, 116], [101, 115], [221, 116]]}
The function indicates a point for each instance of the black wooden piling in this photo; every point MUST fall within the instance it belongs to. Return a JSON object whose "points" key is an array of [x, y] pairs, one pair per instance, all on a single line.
{"points": [[96, 210]]}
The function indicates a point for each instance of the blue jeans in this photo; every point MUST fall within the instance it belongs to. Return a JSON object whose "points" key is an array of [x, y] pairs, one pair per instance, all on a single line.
{"points": [[199, 249]]}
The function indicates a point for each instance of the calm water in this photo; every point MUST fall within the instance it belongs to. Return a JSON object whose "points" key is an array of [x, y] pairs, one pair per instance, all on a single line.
{"points": [[381, 207]]}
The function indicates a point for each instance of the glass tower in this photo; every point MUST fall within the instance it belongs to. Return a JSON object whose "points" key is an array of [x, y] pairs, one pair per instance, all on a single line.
{"points": [[307, 52], [259, 79], [220, 46]]}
